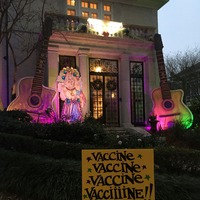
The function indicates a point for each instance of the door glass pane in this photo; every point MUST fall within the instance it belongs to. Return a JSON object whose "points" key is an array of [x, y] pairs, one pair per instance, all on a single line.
{"points": [[111, 101], [96, 87]]}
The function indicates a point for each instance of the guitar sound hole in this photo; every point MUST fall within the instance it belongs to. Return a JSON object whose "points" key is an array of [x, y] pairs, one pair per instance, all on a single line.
{"points": [[34, 101], [168, 105]]}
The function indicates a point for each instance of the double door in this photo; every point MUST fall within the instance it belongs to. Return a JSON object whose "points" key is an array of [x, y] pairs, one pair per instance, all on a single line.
{"points": [[104, 100]]}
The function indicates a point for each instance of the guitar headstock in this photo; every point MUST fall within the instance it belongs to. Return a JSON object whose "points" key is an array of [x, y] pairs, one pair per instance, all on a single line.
{"points": [[158, 42], [47, 29]]}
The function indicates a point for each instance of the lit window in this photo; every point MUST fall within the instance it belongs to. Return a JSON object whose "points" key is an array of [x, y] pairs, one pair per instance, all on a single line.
{"points": [[107, 17], [71, 12], [85, 14], [107, 8], [71, 2], [84, 4], [93, 6], [94, 15]]}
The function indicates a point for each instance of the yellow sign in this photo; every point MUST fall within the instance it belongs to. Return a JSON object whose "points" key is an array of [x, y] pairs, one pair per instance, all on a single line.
{"points": [[118, 174]]}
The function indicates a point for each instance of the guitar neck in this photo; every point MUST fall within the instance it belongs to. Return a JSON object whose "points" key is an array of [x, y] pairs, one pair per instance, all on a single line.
{"points": [[165, 89], [39, 73]]}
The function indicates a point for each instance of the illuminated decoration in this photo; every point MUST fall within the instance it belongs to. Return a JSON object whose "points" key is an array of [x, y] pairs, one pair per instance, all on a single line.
{"points": [[177, 113], [168, 104], [104, 28], [31, 95], [98, 69], [70, 88]]}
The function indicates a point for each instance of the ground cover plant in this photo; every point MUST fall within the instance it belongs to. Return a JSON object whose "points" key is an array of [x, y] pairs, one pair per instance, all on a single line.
{"points": [[49, 156]]}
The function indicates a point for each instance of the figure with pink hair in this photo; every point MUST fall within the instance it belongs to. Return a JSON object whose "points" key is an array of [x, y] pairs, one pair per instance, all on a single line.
{"points": [[69, 85]]}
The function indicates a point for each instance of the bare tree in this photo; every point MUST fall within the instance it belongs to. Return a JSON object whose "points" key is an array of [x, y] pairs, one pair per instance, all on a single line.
{"points": [[181, 61], [20, 25], [184, 73]]}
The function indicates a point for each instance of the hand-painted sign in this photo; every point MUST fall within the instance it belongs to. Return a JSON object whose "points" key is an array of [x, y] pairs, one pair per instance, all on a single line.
{"points": [[118, 174]]}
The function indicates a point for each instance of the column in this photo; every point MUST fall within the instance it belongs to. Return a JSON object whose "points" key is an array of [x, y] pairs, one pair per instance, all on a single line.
{"points": [[52, 76], [83, 64], [124, 87]]}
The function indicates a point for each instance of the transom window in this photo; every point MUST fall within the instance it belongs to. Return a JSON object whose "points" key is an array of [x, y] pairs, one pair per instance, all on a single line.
{"points": [[85, 14], [71, 2], [71, 12], [107, 8]]}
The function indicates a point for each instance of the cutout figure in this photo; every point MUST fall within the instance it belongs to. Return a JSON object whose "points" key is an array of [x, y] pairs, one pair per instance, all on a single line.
{"points": [[70, 89]]}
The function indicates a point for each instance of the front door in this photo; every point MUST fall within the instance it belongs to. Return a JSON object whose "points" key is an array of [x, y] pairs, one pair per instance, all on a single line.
{"points": [[104, 99]]}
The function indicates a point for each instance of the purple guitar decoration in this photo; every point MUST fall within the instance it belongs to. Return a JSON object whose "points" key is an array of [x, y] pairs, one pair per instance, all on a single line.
{"points": [[31, 95]]}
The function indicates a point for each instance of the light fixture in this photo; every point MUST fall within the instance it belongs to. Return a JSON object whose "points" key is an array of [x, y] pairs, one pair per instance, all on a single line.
{"points": [[101, 26], [98, 67]]}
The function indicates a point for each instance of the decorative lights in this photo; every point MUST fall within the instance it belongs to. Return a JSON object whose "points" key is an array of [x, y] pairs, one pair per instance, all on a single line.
{"points": [[104, 28]]}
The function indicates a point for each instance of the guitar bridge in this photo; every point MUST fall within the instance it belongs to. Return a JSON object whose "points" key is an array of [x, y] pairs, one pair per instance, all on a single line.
{"points": [[169, 115]]}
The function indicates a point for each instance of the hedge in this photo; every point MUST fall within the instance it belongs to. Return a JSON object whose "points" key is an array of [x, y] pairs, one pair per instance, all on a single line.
{"points": [[168, 159]]}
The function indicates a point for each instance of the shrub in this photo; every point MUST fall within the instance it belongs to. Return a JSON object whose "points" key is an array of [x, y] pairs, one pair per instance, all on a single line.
{"points": [[86, 132], [50, 148], [181, 137], [178, 161]]}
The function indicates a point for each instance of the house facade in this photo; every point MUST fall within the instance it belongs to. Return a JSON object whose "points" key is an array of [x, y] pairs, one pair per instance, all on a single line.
{"points": [[110, 44]]}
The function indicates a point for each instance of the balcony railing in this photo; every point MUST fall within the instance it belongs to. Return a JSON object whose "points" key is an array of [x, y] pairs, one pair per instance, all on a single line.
{"points": [[80, 25]]}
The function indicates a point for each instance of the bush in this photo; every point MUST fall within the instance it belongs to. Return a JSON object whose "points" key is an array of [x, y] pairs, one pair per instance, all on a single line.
{"points": [[178, 161], [179, 136], [86, 132], [50, 148]]}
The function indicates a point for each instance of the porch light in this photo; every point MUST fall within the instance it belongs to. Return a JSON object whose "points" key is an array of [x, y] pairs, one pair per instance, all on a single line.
{"points": [[102, 27], [98, 69], [98, 65]]}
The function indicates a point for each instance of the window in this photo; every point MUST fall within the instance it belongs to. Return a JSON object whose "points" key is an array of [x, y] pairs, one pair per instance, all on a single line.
{"points": [[71, 12], [94, 15], [93, 6], [85, 14], [71, 2], [107, 8], [84, 4], [137, 93], [107, 17]]}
